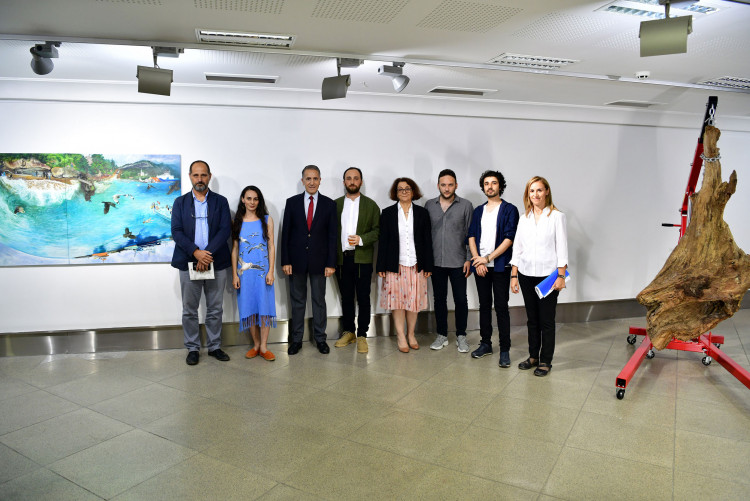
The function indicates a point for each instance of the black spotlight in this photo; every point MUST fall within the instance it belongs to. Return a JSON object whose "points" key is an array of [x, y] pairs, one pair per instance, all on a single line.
{"points": [[41, 54]]}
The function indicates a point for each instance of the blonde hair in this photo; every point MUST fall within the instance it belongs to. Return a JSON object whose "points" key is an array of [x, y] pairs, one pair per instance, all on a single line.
{"points": [[527, 205]]}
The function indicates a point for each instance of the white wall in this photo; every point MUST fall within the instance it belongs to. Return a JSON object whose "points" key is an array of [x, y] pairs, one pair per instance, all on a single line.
{"points": [[617, 183]]}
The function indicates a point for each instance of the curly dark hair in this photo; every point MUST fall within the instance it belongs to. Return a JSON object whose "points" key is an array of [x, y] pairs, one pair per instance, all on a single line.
{"points": [[497, 175], [416, 193], [261, 211]]}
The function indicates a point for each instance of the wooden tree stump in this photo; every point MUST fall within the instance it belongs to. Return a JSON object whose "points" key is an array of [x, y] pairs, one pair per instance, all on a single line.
{"points": [[707, 274]]}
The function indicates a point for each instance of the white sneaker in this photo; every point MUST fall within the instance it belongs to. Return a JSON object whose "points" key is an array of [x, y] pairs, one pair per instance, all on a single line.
{"points": [[439, 343], [463, 346]]}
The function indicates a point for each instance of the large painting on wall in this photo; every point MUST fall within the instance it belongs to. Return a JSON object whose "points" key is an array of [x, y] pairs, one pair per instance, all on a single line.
{"points": [[79, 209]]}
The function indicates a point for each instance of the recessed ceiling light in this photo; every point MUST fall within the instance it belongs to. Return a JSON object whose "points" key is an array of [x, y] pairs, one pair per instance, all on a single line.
{"points": [[535, 62], [265, 40], [731, 82]]}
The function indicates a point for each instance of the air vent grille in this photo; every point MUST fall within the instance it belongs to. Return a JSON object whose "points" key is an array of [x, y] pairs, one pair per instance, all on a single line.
{"points": [[731, 82], [240, 39], [535, 62]]}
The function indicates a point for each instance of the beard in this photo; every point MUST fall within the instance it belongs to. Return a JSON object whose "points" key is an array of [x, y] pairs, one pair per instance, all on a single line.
{"points": [[352, 189], [200, 187]]}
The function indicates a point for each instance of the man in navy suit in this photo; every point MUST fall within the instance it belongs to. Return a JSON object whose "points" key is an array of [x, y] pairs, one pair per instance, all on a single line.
{"points": [[201, 225], [308, 248]]}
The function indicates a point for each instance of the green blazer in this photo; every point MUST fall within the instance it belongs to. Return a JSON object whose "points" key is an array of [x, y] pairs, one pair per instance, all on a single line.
{"points": [[368, 228]]}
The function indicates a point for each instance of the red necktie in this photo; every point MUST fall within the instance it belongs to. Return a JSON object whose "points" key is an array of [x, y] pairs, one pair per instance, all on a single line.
{"points": [[310, 213]]}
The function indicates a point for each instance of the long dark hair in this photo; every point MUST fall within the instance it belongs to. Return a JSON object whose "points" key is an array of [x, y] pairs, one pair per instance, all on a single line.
{"points": [[261, 211]]}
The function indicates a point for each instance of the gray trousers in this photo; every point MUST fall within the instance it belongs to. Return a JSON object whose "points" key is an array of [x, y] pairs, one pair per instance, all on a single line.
{"points": [[191, 298], [298, 294]]}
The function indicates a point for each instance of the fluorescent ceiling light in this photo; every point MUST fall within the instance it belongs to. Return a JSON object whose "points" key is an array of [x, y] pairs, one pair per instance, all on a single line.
{"points": [[461, 91], [632, 104], [731, 82], [223, 77], [241, 39], [535, 62]]}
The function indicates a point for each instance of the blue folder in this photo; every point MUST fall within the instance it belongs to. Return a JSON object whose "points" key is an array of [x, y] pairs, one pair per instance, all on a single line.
{"points": [[544, 287]]}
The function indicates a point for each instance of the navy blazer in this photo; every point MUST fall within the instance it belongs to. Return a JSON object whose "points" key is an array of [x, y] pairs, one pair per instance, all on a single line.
{"points": [[388, 245], [183, 231], [314, 250]]}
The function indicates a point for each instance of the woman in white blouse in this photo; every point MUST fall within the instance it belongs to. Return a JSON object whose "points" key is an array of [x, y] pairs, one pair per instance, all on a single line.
{"points": [[540, 248], [404, 259]]}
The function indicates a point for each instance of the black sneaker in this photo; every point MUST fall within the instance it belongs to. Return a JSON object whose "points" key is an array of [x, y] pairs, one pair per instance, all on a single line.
{"points": [[219, 355], [482, 351]]}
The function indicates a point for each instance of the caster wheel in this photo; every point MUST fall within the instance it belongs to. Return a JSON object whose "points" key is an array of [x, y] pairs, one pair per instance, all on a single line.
{"points": [[631, 339], [620, 394], [706, 361], [717, 345], [650, 354]]}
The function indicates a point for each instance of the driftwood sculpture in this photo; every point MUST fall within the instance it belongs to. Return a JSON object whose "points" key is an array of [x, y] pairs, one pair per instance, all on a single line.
{"points": [[707, 274]]}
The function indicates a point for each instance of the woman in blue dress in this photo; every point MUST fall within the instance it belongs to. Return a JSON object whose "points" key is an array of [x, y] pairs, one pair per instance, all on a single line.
{"points": [[253, 256]]}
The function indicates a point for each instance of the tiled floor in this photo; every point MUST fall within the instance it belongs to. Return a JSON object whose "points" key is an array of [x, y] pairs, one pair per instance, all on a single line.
{"points": [[385, 425]]}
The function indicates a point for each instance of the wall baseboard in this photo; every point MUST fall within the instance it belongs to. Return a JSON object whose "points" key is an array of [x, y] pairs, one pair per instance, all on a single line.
{"points": [[170, 337]]}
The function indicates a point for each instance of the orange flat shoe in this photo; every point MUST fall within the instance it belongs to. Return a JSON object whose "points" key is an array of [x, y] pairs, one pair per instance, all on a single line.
{"points": [[252, 353], [268, 355]]}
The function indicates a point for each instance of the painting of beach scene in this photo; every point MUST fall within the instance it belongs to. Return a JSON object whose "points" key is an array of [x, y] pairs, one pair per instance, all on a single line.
{"points": [[70, 208]]}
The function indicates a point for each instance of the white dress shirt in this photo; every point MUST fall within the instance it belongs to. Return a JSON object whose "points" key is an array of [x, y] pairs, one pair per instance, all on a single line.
{"points": [[349, 219], [407, 254], [541, 246]]}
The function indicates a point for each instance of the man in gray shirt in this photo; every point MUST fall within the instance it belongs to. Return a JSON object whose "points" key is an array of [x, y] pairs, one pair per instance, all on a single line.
{"points": [[450, 216]]}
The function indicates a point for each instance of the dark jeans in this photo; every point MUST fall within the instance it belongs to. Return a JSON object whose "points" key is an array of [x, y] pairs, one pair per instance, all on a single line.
{"points": [[497, 283], [298, 294], [440, 278], [540, 314], [355, 279]]}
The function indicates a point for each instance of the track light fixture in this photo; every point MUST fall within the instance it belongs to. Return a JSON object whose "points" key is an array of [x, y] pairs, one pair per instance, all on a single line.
{"points": [[156, 80], [41, 57], [400, 81], [666, 36], [336, 87]]}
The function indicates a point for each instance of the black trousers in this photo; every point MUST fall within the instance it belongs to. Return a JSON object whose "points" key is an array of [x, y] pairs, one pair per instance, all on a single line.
{"points": [[497, 283], [440, 278], [354, 279], [540, 314]]}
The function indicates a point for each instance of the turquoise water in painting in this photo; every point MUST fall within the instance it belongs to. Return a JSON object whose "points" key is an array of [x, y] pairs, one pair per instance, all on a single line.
{"points": [[50, 219]]}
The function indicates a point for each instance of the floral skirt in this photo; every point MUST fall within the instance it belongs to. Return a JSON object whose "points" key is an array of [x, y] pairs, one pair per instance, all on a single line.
{"points": [[405, 290]]}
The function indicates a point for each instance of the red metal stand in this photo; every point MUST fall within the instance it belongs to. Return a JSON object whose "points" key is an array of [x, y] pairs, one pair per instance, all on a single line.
{"points": [[707, 344]]}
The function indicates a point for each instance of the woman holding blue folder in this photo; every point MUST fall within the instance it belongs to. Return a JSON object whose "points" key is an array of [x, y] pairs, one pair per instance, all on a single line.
{"points": [[539, 249]]}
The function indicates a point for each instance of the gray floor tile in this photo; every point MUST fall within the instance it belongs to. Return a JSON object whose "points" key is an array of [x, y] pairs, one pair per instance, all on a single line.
{"points": [[460, 405], [13, 464], [64, 435], [200, 477], [44, 485], [584, 475], [700, 454], [56, 369], [97, 387], [27, 409], [114, 466], [146, 404]]}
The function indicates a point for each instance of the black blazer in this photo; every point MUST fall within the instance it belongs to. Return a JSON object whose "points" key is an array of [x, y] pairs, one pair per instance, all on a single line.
{"points": [[314, 250], [388, 245], [183, 231]]}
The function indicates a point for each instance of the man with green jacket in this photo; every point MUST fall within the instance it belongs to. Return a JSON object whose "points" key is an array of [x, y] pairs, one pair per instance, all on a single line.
{"points": [[359, 228]]}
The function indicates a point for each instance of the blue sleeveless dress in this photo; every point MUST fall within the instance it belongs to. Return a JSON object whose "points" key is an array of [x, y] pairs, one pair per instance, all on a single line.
{"points": [[255, 299]]}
